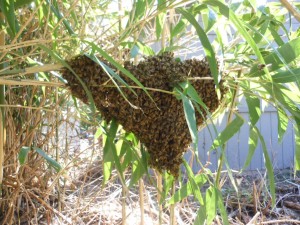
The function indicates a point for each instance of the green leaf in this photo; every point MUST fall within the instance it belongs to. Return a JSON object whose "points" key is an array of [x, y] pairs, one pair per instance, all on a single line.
{"points": [[297, 146], [240, 26], [192, 183], [8, 9], [53, 163], [283, 55], [208, 49], [252, 145], [23, 154], [201, 216], [118, 66], [211, 203], [253, 103], [228, 132], [292, 75], [55, 56], [209, 19], [187, 190], [55, 9], [190, 117], [283, 122], [21, 3], [222, 208], [268, 165], [160, 20], [108, 150]]}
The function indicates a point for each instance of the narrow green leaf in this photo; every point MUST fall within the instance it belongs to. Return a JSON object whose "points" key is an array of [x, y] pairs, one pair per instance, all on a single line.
{"points": [[269, 166], [190, 117], [192, 183], [208, 49], [228, 132], [160, 20], [201, 216], [222, 208], [108, 155], [240, 25], [287, 76], [118, 66], [283, 122], [61, 61], [253, 103], [211, 204], [252, 145], [187, 190], [55, 9], [280, 58], [21, 3], [8, 9], [23, 154], [297, 146], [50, 160], [168, 183]]}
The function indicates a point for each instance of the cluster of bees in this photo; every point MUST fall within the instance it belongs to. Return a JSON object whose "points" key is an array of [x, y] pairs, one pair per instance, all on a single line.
{"points": [[160, 123]]}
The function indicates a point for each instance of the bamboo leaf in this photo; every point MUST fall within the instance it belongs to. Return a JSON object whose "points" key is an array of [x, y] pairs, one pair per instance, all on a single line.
{"points": [[222, 208], [208, 49], [283, 122], [297, 146], [211, 202], [201, 216], [228, 132], [108, 151], [240, 26], [252, 145], [118, 66], [253, 103], [8, 9], [292, 75], [21, 3], [58, 14], [190, 117], [193, 184], [53, 163], [160, 20], [61, 61], [283, 55], [268, 165], [23, 154], [187, 190]]}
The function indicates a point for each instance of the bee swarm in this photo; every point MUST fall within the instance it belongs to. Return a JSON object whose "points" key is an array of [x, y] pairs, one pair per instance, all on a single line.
{"points": [[160, 125]]}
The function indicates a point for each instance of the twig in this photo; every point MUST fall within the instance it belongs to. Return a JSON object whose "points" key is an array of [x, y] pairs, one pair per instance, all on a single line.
{"points": [[253, 220], [291, 9]]}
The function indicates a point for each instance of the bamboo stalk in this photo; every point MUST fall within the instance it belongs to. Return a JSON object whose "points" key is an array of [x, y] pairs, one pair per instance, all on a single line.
{"points": [[172, 207], [291, 9], [2, 112]]}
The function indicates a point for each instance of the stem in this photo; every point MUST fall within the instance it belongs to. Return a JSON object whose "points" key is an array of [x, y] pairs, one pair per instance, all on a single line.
{"points": [[2, 113], [141, 193], [172, 207], [231, 110], [291, 9]]}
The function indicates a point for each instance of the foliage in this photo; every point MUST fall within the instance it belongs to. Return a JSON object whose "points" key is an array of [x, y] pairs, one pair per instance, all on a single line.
{"points": [[260, 54]]}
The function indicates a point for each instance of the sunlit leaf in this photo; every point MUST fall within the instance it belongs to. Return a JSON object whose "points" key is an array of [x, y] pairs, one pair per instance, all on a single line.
{"points": [[280, 58], [208, 49], [253, 103], [228, 132]]}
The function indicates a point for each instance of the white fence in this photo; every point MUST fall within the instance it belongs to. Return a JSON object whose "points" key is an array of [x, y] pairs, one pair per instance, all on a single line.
{"points": [[281, 154]]}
